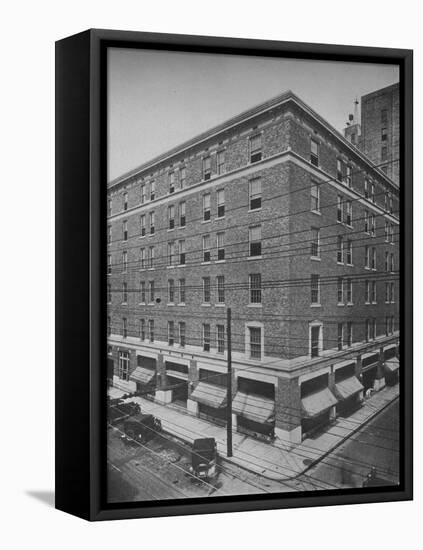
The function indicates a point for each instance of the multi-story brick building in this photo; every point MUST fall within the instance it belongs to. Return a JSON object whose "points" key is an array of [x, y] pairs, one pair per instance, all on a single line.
{"points": [[275, 215]]}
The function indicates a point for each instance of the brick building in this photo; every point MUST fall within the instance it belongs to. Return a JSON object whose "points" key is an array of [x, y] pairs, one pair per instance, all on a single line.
{"points": [[275, 215]]}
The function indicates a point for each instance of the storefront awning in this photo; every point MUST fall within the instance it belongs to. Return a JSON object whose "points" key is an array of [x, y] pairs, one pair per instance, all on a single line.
{"points": [[318, 402], [253, 407], [210, 395], [142, 375], [348, 387], [392, 365]]}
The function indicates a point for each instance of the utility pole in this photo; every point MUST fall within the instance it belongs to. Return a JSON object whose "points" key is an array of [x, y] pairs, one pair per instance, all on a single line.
{"points": [[229, 384]]}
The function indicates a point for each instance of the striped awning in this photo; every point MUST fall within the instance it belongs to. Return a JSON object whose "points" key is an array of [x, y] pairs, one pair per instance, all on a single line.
{"points": [[348, 387], [253, 407], [210, 395], [142, 375], [318, 402], [392, 365]]}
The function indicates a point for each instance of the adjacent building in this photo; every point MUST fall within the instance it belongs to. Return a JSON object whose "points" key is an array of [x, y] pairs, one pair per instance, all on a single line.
{"points": [[277, 216]]}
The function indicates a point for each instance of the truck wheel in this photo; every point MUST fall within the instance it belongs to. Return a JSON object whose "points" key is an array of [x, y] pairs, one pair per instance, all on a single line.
{"points": [[130, 434]]}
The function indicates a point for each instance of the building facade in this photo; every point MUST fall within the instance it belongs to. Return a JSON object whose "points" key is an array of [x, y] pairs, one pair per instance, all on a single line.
{"points": [[274, 215]]}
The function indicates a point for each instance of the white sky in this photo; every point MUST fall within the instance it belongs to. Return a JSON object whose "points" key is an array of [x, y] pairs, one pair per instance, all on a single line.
{"points": [[159, 99]]}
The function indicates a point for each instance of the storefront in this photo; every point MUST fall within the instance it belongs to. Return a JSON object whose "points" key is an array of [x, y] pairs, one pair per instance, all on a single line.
{"points": [[391, 367], [348, 390], [177, 382], [316, 403], [144, 375], [369, 367], [211, 399]]}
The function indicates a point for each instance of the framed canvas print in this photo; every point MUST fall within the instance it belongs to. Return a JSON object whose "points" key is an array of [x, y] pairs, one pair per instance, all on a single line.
{"points": [[234, 274]]}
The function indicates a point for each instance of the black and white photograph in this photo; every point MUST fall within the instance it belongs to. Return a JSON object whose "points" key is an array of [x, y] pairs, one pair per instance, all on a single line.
{"points": [[253, 275]]}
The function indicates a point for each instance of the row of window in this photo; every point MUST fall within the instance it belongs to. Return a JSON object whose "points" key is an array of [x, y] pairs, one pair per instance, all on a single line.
{"points": [[345, 291]]}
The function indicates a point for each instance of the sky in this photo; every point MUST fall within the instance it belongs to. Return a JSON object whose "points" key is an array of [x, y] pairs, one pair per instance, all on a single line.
{"points": [[158, 99]]}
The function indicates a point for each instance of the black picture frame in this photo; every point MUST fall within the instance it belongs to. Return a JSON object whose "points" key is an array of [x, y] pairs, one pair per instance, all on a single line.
{"points": [[80, 272]]}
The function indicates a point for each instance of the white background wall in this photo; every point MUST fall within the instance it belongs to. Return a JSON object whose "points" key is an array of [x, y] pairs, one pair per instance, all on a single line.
{"points": [[28, 32]]}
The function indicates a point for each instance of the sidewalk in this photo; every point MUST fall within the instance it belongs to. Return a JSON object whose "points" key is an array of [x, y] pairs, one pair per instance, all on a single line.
{"points": [[278, 461]]}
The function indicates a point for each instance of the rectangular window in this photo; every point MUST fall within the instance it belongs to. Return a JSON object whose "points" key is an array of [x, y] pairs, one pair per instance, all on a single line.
{"points": [[171, 216], [386, 261], [315, 289], [340, 336], [340, 290], [255, 194], [109, 207], [340, 209], [220, 284], [349, 252], [220, 244], [142, 292], [315, 197], [384, 116], [255, 240], [151, 223], [125, 230], [220, 203], [339, 171], [142, 329], [349, 334], [151, 257], [206, 337], [182, 214], [152, 190], [392, 292], [367, 257], [348, 176], [255, 288], [109, 292], [372, 192], [315, 242], [151, 330], [255, 148], [124, 261], [151, 291], [374, 298], [124, 327], [109, 326], [142, 225], [367, 297], [125, 201], [374, 258], [221, 166], [182, 291], [170, 333], [124, 365], [206, 248], [349, 291], [206, 207], [124, 293], [314, 152], [255, 342], [182, 253], [206, 168], [220, 338], [348, 213], [340, 249], [182, 176], [109, 234], [366, 222], [206, 290], [387, 292], [171, 253], [171, 182], [384, 134], [392, 263], [143, 196], [109, 264], [315, 341], [171, 291], [366, 188], [182, 334], [372, 225]]}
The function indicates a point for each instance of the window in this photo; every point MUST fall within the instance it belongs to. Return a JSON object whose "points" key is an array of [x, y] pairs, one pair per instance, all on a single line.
{"points": [[255, 288], [206, 290], [383, 153], [387, 293], [152, 190], [340, 209], [124, 261], [220, 203], [220, 338], [384, 116], [367, 298], [125, 201], [171, 291], [109, 292], [384, 134], [182, 176], [109, 326], [386, 231], [182, 291], [142, 225], [206, 337], [349, 334], [109, 234], [255, 148], [220, 244], [340, 336], [386, 261], [206, 207], [171, 182], [124, 293], [255, 342], [142, 292], [315, 197], [151, 223], [142, 329], [392, 262], [151, 257], [372, 192], [366, 188], [314, 152], [221, 166], [182, 214], [366, 222], [367, 257], [374, 258], [392, 292], [151, 291], [340, 249], [315, 340], [206, 168], [143, 193], [391, 230], [255, 240], [182, 254], [349, 291], [391, 204], [182, 334], [373, 292], [109, 207], [340, 290], [124, 327], [171, 216], [206, 248], [315, 289], [109, 264], [372, 219], [348, 213], [151, 330], [171, 260], [339, 171], [220, 284], [315, 242], [170, 333], [124, 365], [255, 194], [125, 230], [349, 252], [348, 176]]}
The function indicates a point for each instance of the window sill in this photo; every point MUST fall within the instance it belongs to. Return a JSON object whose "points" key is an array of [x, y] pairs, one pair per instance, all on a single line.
{"points": [[141, 303], [170, 266], [181, 304], [254, 210], [170, 229], [206, 305], [340, 304], [340, 263], [206, 221], [255, 257], [316, 212], [180, 265], [315, 305], [255, 305], [205, 263], [220, 304], [219, 261], [349, 304], [170, 304], [315, 259], [219, 218]]}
